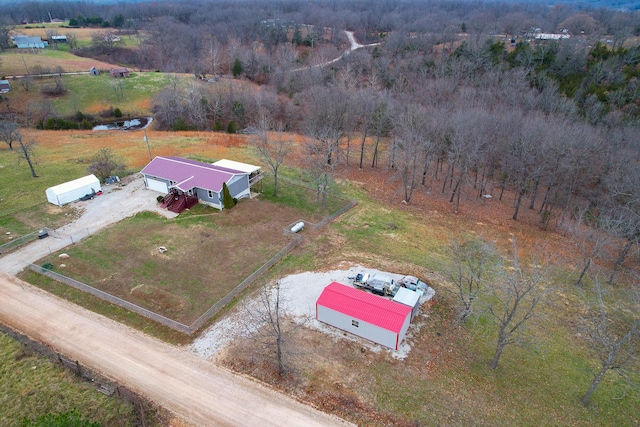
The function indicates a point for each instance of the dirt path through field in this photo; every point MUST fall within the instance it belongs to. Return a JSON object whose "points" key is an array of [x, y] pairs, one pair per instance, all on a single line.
{"points": [[194, 389]]}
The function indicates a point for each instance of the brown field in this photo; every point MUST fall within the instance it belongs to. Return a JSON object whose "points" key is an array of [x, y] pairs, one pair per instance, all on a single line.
{"points": [[76, 146], [16, 61]]}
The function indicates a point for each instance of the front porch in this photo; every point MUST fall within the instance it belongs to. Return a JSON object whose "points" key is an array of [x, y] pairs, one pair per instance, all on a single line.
{"points": [[177, 201]]}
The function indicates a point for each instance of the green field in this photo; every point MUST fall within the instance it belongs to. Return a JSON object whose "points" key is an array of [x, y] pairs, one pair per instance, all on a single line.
{"points": [[31, 386]]}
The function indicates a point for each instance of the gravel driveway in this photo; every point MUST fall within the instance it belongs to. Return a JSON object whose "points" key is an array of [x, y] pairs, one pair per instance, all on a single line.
{"points": [[116, 203]]}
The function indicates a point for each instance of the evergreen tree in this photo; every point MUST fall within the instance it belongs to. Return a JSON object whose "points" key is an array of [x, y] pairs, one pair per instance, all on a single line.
{"points": [[237, 68], [227, 200]]}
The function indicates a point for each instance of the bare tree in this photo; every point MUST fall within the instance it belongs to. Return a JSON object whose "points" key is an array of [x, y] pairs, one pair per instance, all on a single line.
{"points": [[273, 150], [414, 146], [26, 151], [72, 40], [473, 263], [513, 301], [268, 325], [8, 132], [612, 332], [105, 163]]}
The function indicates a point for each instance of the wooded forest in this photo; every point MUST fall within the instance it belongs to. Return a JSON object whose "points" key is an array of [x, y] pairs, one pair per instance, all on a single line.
{"points": [[466, 94]]}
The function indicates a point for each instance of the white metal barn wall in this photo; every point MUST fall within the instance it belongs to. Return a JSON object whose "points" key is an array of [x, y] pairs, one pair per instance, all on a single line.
{"points": [[364, 329]]}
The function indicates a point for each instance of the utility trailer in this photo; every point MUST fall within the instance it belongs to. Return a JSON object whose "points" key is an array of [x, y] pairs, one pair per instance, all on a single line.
{"points": [[378, 284]]}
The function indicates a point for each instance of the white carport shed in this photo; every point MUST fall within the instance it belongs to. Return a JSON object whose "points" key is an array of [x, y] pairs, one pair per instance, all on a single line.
{"points": [[409, 298], [363, 314], [71, 191]]}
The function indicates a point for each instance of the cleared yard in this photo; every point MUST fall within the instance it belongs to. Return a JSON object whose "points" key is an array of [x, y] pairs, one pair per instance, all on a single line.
{"points": [[206, 256]]}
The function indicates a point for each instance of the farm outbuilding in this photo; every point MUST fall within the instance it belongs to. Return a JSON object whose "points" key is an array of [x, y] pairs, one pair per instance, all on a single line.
{"points": [[5, 87], [71, 191], [409, 298], [25, 42], [119, 72], [363, 314]]}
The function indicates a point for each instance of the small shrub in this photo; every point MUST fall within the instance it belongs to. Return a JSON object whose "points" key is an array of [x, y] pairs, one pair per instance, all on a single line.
{"points": [[47, 266], [160, 198], [232, 127], [86, 125], [117, 113], [218, 126]]}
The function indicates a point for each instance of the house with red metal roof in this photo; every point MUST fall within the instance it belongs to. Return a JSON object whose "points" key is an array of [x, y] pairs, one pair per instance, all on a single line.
{"points": [[186, 182], [363, 314]]}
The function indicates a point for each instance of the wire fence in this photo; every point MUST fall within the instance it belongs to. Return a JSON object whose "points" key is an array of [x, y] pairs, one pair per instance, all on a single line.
{"points": [[111, 298], [20, 241], [103, 384], [215, 308]]}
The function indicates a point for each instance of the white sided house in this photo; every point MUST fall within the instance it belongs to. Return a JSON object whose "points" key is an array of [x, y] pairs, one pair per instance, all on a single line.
{"points": [[71, 191], [186, 182], [363, 314]]}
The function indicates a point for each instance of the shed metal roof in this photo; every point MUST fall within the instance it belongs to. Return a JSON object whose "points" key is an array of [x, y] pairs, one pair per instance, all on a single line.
{"points": [[239, 166], [407, 297], [364, 306], [190, 174], [76, 183]]}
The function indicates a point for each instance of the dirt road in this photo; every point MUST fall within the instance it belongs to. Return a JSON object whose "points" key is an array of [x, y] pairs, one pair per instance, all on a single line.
{"points": [[194, 389]]}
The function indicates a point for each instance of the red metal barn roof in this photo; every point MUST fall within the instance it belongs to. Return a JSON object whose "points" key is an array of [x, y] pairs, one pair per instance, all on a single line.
{"points": [[367, 307], [190, 173]]}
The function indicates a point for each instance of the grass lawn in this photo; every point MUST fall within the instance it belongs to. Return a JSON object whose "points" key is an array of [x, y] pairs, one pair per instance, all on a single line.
{"points": [[209, 253], [446, 379], [64, 155], [32, 386]]}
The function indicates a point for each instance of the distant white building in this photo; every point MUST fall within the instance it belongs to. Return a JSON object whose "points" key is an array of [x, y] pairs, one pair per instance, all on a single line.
{"points": [[4, 86]]}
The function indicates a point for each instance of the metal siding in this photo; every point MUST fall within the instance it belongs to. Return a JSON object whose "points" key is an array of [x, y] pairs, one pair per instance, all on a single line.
{"points": [[71, 191], [365, 306], [365, 330], [238, 186]]}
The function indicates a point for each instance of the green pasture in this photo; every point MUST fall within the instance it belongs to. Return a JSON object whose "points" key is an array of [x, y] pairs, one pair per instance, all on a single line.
{"points": [[31, 386], [89, 94]]}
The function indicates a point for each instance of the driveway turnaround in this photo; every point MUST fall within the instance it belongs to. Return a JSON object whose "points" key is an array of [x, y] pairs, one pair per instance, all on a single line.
{"points": [[197, 391]]}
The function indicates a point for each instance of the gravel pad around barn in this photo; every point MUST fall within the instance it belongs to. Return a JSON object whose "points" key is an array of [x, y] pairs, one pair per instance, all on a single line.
{"points": [[299, 292]]}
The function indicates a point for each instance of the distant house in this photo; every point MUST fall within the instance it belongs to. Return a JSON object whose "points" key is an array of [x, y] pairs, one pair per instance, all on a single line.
{"points": [[24, 42], [363, 314], [4, 86], [119, 72], [59, 39], [186, 182]]}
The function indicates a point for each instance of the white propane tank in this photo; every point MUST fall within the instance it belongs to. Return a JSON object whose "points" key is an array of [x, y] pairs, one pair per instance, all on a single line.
{"points": [[299, 226]]}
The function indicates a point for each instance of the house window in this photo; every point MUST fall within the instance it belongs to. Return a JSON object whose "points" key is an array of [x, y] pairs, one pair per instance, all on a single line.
{"points": [[190, 192], [210, 194], [172, 183], [355, 323]]}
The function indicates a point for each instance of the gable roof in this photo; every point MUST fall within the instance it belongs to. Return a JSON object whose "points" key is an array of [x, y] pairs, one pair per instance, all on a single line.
{"points": [[188, 174], [364, 306], [27, 40]]}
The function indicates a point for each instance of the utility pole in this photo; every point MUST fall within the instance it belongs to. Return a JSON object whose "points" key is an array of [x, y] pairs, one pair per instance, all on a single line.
{"points": [[25, 66], [146, 140]]}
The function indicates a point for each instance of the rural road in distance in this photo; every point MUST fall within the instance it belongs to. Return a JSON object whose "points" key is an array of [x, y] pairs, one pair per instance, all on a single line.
{"points": [[199, 392]]}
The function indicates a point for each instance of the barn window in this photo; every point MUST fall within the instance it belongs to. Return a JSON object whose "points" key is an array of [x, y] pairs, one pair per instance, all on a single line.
{"points": [[210, 193], [355, 323]]}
